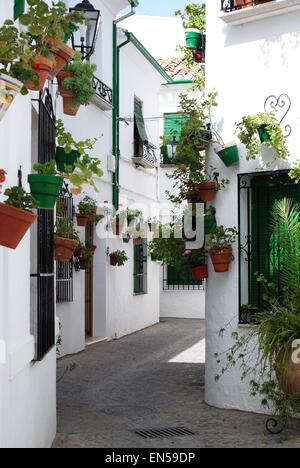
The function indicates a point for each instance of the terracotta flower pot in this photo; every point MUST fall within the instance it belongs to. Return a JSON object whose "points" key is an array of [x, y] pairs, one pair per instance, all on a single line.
{"points": [[113, 260], [137, 241], [62, 54], [204, 192], [93, 249], [68, 95], [200, 272], [221, 259], [64, 249], [14, 223], [82, 219], [42, 66], [289, 376]]}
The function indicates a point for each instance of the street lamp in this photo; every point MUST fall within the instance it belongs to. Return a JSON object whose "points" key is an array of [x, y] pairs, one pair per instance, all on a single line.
{"points": [[172, 148], [85, 38]]}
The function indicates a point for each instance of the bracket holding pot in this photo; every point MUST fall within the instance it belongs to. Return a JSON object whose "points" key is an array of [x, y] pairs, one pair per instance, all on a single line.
{"points": [[283, 103]]}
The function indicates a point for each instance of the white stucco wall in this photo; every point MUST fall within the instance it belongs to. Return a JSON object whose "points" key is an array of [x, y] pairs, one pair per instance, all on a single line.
{"points": [[245, 64]]}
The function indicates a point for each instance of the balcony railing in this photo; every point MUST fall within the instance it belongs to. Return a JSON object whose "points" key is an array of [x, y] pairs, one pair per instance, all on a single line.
{"points": [[103, 91], [233, 5]]}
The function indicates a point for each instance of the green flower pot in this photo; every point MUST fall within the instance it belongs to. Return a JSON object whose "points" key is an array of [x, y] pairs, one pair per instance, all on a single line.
{"points": [[64, 160], [264, 134], [68, 35], [45, 189], [126, 239], [229, 154], [209, 223], [192, 39]]}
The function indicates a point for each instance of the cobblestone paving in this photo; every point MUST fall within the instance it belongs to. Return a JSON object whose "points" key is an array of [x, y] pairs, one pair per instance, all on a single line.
{"points": [[153, 379]]}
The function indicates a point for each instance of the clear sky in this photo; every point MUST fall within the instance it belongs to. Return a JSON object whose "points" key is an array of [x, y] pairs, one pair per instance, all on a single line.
{"points": [[161, 7]]}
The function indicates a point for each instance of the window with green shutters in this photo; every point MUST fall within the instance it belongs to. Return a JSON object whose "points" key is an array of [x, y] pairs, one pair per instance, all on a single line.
{"points": [[173, 125], [19, 8], [259, 251]]}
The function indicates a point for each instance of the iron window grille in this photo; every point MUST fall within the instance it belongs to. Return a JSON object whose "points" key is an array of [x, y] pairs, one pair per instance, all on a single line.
{"points": [[140, 274], [175, 279], [64, 271], [259, 252], [45, 276], [233, 5]]}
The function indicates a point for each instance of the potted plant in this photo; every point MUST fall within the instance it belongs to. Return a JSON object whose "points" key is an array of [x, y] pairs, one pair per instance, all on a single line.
{"points": [[3, 175], [86, 211], [194, 21], [48, 26], [220, 247], [65, 239], [45, 185], [167, 246], [262, 128], [75, 84], [196, 262], [137, 234], [118, 258], [228, 153], [133, 215], [16, 216], [84, 255]]}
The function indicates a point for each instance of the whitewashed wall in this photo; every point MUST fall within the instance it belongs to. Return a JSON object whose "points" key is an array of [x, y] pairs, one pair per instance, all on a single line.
{"points": [[245, 64]]}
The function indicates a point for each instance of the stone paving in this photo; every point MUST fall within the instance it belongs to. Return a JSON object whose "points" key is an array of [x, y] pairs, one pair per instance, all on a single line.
{"points": [[153, 379]]}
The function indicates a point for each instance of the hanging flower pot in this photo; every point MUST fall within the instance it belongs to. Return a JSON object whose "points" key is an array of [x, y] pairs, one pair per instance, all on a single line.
{"points": [[288, 375], [66, 160], [45, 189], [82, 219], [64, 249], [200, 272], [207, 191], [9, 88], [264, 134], [113, 260], [92, 249], [221, 259], [229, 154], [69, 97], [62, 54], [192, 38], [137, 241], [126, 238], [42, 66], [14, 223]]}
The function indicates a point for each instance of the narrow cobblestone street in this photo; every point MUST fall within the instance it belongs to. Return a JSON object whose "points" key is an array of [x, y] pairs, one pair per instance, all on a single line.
{"points": [[151, 380]]}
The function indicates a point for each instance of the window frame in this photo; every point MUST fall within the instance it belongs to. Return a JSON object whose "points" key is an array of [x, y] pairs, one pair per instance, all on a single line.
{"points": [[140, 268]]}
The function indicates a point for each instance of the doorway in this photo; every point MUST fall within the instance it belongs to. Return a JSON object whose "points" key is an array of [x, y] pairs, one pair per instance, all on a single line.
{"points": [[89, 286]]}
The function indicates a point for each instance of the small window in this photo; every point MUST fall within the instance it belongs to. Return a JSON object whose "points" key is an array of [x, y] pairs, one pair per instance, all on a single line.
{"points": [[176, 279], [140, 268], [173, 125]]}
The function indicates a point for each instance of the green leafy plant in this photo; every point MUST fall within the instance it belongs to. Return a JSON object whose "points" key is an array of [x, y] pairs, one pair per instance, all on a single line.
{"points": [[83, 254], [221, 238], [168, 244], [247, 132], [17, 197], [194, 258], [87, 206], [65, 228], [133, 215], [136, 232], [193, 16], [120, 256], [295, 172], [276, 327], [66, 140], [81, 79], [48, 168]]}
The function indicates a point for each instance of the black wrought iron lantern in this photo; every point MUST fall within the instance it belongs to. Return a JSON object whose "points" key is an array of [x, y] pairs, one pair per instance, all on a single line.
{"points": [[172, 148], [85, 38]]}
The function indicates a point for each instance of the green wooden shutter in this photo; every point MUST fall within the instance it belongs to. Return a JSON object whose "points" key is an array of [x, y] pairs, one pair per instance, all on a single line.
{"points": [[138, 113], [173, 125], [19, 8]]}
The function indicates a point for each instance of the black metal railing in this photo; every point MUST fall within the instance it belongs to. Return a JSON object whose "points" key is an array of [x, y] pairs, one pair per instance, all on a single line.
{"points": [[149, 155], [45, 320], [102, 90], [259, 250], [175, 279], [64, 271], [233, 5]]}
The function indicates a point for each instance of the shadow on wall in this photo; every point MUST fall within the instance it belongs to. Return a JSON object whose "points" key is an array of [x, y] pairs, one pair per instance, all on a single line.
{"points": [[270, 31]]}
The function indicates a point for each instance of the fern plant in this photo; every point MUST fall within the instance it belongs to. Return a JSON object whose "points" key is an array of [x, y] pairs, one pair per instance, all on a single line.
{"points": [[81, 79]]}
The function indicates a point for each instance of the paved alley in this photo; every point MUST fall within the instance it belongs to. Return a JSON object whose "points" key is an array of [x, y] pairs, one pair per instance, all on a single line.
{"points": [[151, 380]]}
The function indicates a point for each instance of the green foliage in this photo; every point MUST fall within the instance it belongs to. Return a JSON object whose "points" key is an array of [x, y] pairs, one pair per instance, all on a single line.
{"points": [[136, 232], [120, 256], [83, 254], [295, 172], [86, 168], [221, 238], [87, 206], [194, 258], [131, 215], [65, 228], [81, 81], [275, 328], [168, 244], [66, 140], [17, 197], [185, 178], [48, 168], [247, 133], [193, 16]]}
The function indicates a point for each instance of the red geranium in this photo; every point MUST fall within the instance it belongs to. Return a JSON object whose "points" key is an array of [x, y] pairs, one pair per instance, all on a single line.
{"points": [[2, 176]]}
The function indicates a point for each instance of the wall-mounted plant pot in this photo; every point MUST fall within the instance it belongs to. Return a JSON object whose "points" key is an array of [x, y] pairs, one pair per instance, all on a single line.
{"points": [[64, 249], [209, 223], [113, 260], [264, 134], [14, 223], [82, 219], [200, 272], [242, 4], [207, 191], [66, 160], [62, 55], [126, 238], [137, 241], [93, 249], [45, 189], [192, 38], [9, 88], [42, 66], [288, 376], [68, 95], [221, 259], [229, 154]]}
